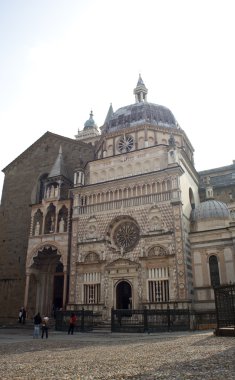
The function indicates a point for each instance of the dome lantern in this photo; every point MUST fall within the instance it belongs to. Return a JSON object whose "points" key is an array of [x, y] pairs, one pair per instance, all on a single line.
{"points": [[140, 91], [90, 123]]}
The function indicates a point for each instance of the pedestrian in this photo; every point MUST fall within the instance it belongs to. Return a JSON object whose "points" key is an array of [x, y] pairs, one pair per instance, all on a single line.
{"points": [[72, 323], [45, 322], [23, 315], [20, 315], [37, 320]]}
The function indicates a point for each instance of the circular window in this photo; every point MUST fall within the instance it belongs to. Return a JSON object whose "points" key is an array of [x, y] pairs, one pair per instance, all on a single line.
{"points": [[125, 143], [126, 235]]}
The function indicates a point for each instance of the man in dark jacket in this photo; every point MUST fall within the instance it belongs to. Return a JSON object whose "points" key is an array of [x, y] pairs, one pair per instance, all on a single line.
{"points": [[37, 320]]}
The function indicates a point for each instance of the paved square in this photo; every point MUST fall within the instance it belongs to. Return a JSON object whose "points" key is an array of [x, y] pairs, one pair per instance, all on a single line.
{"points": [[100, 355]]}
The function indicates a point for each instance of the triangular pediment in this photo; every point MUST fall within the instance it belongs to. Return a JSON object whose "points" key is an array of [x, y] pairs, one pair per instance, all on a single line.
{"points": [[122, 263]]}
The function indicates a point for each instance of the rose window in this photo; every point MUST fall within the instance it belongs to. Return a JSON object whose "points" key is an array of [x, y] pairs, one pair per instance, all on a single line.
{"points": [[125, 144], [126, 235]]}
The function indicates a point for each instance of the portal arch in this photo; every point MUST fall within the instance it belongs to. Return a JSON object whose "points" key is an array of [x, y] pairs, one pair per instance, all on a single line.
{"points": [[123, 295]]}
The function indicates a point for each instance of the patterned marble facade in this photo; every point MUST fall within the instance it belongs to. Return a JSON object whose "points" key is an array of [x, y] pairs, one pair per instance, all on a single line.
{"points": [[122, 219]]}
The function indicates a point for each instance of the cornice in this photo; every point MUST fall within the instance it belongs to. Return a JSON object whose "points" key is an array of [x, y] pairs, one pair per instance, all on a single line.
{"points": [[176, 170]]}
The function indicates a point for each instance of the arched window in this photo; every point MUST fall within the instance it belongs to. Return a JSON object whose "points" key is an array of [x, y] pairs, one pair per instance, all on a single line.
{"points": [[62, 220], [50, 220], [39, 189], [214, 271], [37, 223]]}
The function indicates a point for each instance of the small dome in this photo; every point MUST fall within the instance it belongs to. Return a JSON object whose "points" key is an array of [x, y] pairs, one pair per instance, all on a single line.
{"points": [[141, 113], [90, 123], [210, 209]]}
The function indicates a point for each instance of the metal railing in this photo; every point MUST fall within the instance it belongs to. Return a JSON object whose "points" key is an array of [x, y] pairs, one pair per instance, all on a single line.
{"points": [[150, 320], [225, 307], [84, 320]]}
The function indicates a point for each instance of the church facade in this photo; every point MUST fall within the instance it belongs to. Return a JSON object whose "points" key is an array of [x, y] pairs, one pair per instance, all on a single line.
{"points": [[117, 219]]}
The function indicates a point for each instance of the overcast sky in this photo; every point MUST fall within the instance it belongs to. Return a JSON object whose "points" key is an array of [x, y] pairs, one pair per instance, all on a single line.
{"points": [[61, 58]]}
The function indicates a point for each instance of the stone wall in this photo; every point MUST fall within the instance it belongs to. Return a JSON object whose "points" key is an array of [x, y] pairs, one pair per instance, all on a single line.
{"points": [[21, 177]]}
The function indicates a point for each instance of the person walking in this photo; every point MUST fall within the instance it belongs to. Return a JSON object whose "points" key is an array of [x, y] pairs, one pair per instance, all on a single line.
{"points": [[45, 322], [37, 320], [72, 323], [20, 315], [23, 315]]}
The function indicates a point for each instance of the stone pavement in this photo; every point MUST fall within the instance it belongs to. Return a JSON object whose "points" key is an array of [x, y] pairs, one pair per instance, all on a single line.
{"points": [[101, 355]]}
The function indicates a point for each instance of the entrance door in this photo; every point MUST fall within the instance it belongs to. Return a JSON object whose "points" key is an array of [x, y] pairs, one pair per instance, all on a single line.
{"points": [[58, 292], [123, 295]]}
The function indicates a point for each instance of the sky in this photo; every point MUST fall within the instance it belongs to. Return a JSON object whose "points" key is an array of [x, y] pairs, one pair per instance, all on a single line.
{"points": [[61, 58]]}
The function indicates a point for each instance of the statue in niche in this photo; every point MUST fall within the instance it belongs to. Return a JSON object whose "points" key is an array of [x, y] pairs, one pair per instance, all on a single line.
{"points": [[142, 249], [61, 225], [48, 192], [157, 251], [232, 214], [207, 180], [155, 224], [52, 194], [56, 191], [91, 231], [52, 224], [170, 249], [37, 229], [164, 226], [171, 156]]}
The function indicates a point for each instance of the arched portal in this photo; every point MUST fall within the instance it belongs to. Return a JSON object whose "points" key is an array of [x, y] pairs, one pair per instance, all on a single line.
{"points": [[58, 287], [45, 291], [123, 295]]}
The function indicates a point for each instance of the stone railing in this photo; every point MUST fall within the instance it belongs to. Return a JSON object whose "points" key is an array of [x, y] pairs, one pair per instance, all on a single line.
{"points": [[124, 203]]}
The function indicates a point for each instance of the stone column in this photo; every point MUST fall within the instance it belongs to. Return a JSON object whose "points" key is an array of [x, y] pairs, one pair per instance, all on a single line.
{"points": [[64, 289], [113, 146], [180, 254], [26, 293]]}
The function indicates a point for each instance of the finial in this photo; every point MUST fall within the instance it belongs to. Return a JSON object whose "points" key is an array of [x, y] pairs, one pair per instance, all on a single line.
{"points": [[60, 150], [140, 91]]}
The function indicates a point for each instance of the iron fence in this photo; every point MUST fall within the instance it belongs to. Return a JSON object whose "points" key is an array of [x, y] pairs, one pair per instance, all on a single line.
{"points": [[225, 306], [203, 320], [144, 320], [84, 320], [150, 320]]}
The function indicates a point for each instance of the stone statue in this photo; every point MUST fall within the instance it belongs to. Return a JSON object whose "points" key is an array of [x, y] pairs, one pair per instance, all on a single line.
{"points": [[56, 191], [52, 191], [61, 225], [37, 229], [52, 226]]}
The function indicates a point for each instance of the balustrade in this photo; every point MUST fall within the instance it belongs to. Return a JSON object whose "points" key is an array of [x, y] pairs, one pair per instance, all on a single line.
{"points": [[124, 203]]}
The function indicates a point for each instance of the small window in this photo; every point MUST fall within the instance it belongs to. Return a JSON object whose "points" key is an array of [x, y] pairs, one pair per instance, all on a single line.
{"points": [[158, 291], [214, 271], [92, 294]]}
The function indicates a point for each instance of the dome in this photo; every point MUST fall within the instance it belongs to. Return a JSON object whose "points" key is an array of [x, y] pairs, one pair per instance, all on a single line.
{"points": [[210, 209], [141, 113], [90, 123]]}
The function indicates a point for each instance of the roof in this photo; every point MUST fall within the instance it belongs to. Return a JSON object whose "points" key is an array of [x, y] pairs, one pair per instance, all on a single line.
{"points": [[210, 209], [139, 113], [59, 168], [31, 148]]}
